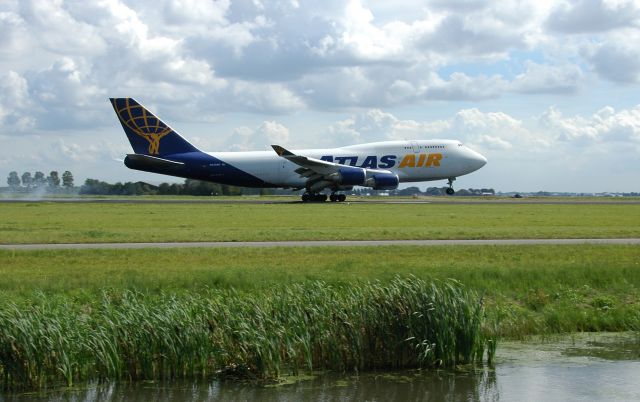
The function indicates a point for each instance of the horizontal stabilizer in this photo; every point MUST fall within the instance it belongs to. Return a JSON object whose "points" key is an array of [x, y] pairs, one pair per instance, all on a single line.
{"points": [[145, 162]]}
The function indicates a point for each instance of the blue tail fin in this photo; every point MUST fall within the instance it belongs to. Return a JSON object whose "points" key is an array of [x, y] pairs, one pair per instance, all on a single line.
{"points": [[147, 134]]}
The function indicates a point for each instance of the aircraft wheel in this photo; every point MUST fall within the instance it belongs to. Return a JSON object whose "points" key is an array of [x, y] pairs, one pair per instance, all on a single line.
{"points": [[450, 190], [342, 197], [306, 197], [333, 197]]}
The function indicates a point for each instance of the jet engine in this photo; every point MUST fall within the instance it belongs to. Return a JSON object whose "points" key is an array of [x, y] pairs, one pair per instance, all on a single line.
{"points": [[383, 181], [350, 176]]}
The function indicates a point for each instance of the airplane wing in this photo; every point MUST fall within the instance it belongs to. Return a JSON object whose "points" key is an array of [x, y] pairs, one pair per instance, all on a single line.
{"points": [[308, 166], [322, 174]]}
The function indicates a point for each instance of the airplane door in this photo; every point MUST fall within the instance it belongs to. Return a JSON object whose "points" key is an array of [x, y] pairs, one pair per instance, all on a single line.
{"points": [[281, 173], [415, 147]]}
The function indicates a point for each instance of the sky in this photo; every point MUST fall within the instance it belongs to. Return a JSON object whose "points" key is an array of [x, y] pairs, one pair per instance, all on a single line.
{"points": [[548, 91]]}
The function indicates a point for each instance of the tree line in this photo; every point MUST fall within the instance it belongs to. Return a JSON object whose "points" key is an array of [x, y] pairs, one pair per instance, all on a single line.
{"points": [[431, 191], [189, 187], [39, 180], [54, 183]]}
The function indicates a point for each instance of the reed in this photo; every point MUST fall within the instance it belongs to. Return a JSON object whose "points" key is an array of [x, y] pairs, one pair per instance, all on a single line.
{"points": [[133, 335]]}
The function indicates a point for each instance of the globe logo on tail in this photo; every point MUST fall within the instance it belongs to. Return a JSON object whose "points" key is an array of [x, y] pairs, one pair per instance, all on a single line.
{"points": [[146, 125]]}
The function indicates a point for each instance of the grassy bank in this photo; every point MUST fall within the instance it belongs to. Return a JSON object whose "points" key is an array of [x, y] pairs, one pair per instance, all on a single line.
{"points": [[70, 315], [80, 222], [136, 335], [527, 289]]}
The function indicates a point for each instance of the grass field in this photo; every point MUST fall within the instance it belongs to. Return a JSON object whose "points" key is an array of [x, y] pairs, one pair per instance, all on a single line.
{"points": [[531, 289], [87, 223], [525, 290]]}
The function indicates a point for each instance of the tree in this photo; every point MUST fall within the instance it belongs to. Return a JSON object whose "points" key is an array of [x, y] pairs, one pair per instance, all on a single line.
{"points": [[54, 179], [67, 179], [197, 187], [13, 180], [93, 186], [409, 191], [435, 191], [164, 188], [39, 179], [175, 189], [27, 180]]}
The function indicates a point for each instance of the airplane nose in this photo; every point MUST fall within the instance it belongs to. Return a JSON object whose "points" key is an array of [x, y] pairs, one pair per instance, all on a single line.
{"points": [[481, 160], [476, 161]]}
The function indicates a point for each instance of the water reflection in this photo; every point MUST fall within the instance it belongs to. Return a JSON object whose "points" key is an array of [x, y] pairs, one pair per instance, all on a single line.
{"points": [[585, 367], [401, 386]]}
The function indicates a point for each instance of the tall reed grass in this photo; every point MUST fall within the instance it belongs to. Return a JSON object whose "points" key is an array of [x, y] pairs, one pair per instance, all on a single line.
{"points": [[131, 335]]}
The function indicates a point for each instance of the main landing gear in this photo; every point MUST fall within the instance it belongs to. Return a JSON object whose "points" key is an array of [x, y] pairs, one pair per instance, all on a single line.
{"points": [[337, 197], [450, 190], [308, 197]]}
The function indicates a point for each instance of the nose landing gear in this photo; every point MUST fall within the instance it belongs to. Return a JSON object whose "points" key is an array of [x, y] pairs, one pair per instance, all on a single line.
{"points": [[450, 190]]}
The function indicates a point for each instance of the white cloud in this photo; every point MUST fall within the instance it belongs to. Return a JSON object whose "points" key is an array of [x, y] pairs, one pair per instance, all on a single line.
{"points": [[238, 56], [462, 87], [471, 37], [619, 60], [594, 16], [492, 142], [548, 79], [377, 125], [264, 98], [260, 138], [487, 131], [604, 125], [364, 39], [498, 130], [13, 35], [192, 12], [74, 152], [14, 104], [227, 60], [476, 30]]}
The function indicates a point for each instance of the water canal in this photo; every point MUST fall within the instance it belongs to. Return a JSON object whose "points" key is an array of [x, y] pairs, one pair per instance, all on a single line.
{"points": [[576, 368]]}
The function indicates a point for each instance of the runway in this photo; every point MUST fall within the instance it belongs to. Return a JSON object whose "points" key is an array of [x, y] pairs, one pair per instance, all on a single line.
{"points": [[318, 243], [288, 200]]}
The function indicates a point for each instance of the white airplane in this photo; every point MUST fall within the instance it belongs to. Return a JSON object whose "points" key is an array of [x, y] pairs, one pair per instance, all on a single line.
{"points": [[379, 165]]}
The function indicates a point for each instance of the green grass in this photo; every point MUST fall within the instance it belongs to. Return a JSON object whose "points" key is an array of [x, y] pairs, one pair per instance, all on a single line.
{"points": [[61, 300], [88, 223], [529, 289]]}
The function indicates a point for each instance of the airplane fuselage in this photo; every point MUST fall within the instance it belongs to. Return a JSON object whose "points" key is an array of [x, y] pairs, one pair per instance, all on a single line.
{"points": [[412, 161]]}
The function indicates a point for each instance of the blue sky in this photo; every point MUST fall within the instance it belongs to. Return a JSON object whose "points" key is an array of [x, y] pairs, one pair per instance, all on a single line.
{"points": [[547, 90]]}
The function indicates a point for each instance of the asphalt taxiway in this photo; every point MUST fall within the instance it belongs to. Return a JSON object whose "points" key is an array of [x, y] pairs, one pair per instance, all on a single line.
{"points": [[317, 243]]}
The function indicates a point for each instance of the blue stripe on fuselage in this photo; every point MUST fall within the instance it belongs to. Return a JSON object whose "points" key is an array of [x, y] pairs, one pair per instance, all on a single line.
{"points": [[369, 162], [201, 166]]}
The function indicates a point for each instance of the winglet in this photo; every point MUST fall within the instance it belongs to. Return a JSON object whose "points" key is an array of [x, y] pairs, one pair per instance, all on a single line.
{"points": [[281, 151]]}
